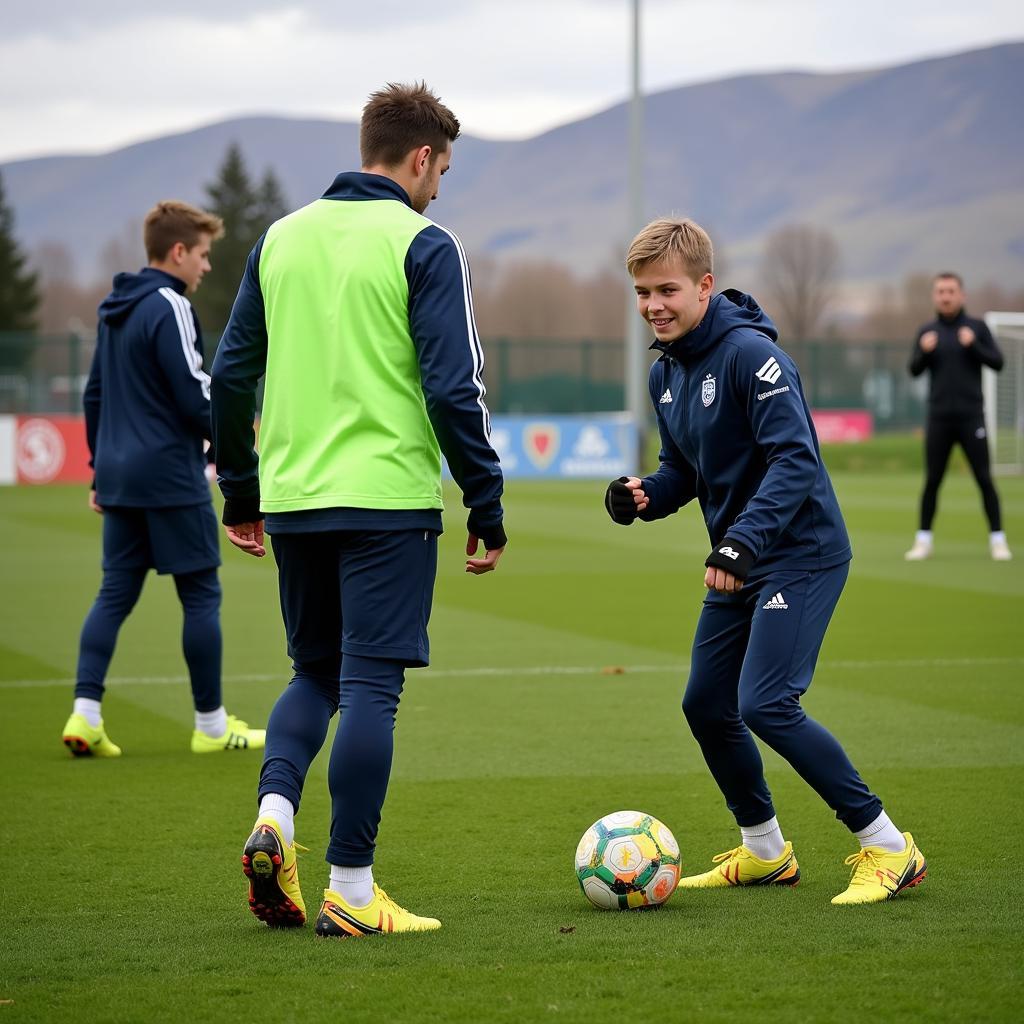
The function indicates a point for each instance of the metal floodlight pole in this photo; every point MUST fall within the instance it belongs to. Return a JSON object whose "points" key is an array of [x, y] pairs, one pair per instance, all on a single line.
{"points": [[636, 378]]}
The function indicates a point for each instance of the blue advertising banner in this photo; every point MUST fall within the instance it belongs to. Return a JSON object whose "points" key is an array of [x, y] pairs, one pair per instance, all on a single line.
{"points": [[596, 445]]}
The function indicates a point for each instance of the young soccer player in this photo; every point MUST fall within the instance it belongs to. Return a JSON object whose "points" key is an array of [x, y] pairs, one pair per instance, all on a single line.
{"points": [[147, 413], [736, 434], [952, 349], [358, 309]]}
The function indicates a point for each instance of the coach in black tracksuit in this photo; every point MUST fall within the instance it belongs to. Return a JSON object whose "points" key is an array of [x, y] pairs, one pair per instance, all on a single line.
{"points": [[954, 347]]}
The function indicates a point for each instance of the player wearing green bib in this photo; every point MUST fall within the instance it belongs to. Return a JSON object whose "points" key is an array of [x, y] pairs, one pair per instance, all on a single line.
{"points": [[358, 311]]}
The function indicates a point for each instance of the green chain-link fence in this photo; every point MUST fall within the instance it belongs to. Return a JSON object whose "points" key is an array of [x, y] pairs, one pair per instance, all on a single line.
{"points": [[46, 374]]}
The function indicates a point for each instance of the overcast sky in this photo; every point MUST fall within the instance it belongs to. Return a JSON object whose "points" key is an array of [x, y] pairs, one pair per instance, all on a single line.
{"points": [[89, 76]]}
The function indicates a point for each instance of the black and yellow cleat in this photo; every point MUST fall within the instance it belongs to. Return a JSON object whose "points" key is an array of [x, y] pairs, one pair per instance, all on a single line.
{"points": [[741, 867], [237, 736], [879, 875], [381, 916], [85, 740], [273, 872]]}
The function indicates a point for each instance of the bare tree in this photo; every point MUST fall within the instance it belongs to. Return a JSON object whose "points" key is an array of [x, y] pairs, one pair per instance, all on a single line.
{"points": [[62, 300], [899, 310], [546, 300], [123, 251], [799, 270]]}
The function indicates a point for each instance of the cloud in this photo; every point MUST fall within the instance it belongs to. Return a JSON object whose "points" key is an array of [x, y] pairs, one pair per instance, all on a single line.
{"points": [[73, 18], [127, 71]]}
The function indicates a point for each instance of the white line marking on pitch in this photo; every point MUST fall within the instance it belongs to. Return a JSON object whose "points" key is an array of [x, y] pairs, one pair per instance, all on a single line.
{"points": [[529, 670]]}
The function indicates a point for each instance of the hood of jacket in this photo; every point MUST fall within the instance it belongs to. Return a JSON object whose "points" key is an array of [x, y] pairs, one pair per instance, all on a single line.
{"points": [[726, 312], [130, 289]]}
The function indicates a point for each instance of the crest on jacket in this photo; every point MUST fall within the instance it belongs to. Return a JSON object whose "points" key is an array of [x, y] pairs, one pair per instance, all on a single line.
{"points": [[707, 390]]}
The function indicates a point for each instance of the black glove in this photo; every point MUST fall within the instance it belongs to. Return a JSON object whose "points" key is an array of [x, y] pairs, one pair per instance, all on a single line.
{"points": [[618, 499], [731, 556]]}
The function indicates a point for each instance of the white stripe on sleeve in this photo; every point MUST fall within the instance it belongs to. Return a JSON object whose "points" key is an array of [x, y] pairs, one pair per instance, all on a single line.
{"points": [[187, 331], [476, 349]]}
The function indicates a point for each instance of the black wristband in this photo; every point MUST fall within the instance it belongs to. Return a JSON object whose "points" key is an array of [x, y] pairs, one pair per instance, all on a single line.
{"points": [[492, 537], [241, 510], [618, 501], [490, 531], [733, 557]]}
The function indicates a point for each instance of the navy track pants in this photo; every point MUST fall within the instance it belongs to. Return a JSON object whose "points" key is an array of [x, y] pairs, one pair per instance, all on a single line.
{"points": [[753, 658], [356, 605], [201, 641]]}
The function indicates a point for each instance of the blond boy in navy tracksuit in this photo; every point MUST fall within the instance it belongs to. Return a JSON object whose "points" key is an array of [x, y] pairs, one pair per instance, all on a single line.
{"points": [[736, 434]]}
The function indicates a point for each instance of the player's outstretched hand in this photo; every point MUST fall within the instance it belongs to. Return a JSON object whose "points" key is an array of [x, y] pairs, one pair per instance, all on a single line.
{"points": [[93, 503], [478, 566], [248, 537], [625, 499], [928, 341], [965, 336]]}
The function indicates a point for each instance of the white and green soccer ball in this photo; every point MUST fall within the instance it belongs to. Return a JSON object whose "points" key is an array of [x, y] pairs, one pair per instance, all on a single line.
{"points": [[627, 860]]}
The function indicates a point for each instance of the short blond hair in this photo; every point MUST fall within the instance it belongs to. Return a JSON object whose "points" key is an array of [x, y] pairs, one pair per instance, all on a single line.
{"points": [[172, 221], [669, 238]]}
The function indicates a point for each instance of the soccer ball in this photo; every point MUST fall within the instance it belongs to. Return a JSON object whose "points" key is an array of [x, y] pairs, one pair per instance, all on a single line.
{"points": [[627, 860]]}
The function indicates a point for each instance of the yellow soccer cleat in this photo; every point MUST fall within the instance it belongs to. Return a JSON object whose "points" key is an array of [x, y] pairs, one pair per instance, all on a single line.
{"points": [[272, 868], [85, 740], [879, 875], [741, 867], [237, 736], [380, 916]]}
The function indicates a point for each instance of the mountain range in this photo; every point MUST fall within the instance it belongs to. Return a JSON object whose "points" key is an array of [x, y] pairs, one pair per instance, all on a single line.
{"points": [[912, 168]]}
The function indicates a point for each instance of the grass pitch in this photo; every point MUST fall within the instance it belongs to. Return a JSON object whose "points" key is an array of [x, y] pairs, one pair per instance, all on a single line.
{"points": [[122, 898]]}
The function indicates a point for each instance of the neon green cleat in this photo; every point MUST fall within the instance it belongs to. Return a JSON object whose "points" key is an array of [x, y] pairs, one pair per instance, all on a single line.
{"points": [[85, 740], [237, 736], [272, 868], [741, 867], [879, 875], [380, 916]]}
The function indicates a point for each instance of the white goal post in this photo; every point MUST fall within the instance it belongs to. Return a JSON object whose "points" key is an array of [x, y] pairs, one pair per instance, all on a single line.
{"points": [[1004, 394]]}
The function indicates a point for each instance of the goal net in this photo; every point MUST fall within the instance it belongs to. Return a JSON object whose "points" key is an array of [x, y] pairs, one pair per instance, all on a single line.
{"points": [[1004, 394]]}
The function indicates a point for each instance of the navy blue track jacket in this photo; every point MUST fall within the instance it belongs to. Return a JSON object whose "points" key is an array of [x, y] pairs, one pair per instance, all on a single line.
{"points": [[147, 401], [737, 435]]}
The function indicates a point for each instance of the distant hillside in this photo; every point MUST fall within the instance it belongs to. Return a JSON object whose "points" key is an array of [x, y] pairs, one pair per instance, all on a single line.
{"points": [[911, 167]]}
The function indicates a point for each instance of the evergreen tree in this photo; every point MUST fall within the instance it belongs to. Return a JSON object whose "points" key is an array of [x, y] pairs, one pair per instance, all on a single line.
{"points": [[271, 204], [19, 287], [232, 198], [247, 211]]}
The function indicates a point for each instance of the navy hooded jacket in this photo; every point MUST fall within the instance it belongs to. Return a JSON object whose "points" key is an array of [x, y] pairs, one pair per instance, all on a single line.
{"points": [[737, 435], [147, 401]]}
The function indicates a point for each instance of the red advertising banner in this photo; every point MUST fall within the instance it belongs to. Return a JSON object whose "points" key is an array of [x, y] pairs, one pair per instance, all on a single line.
{"points": [[49, 449], [843, 426]]}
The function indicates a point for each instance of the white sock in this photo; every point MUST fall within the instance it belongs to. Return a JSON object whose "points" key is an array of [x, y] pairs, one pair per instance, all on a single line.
{"points": [[882, 832], [997, 537], [280, 808], [764, 840], [90, 709], [353, 885], [923, 537], [212, 723]]}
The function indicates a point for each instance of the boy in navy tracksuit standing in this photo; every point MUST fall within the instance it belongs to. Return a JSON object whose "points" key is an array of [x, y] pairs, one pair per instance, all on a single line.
{"points": [[147, 413], [737, 435]]}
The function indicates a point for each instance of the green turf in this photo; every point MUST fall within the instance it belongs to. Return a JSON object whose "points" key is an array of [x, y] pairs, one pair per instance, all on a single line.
{"points": [[121, 897]]}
